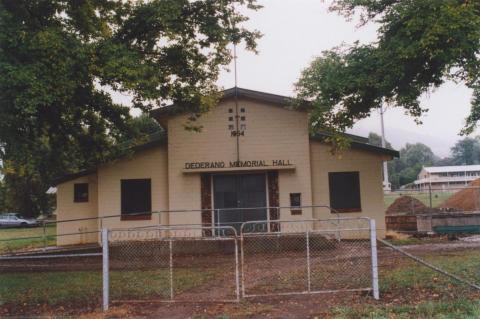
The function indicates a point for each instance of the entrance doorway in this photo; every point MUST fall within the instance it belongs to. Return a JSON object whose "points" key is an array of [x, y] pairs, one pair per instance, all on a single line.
{"points": [[239, 191]]}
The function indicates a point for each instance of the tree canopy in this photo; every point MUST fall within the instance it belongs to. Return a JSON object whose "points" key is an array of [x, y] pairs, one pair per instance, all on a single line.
{"points": [[62, 60], [466, 152], [421, 44], [413, 157]]}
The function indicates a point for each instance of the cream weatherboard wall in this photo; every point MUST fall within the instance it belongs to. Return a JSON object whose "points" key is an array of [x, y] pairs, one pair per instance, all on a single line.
{"points": [[104, 197], [369, 166], [272, 133], [150, 164], [67, 209]]}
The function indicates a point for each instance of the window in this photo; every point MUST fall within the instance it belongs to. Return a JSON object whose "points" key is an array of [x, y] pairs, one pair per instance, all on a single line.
{"points": [[80, 193], [296, 201], [345, 191], [136, 199]]}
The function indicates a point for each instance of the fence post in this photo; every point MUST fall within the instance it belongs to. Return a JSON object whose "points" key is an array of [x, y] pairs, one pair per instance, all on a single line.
{"points": [[373, 244], [105, 269], [237, 277], [44, 236], [170, 243], [308, 262], [242, 260], [430, 194]]}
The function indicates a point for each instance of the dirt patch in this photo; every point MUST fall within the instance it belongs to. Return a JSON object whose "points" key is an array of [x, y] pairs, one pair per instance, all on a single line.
{"points": [[408, 205], [282, 307], [465, 200]]}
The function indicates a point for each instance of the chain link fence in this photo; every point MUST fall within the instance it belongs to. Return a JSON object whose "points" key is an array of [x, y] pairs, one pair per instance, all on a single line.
{"points": [[306, 257], [175, 263], [431, 276], [192, 263]]}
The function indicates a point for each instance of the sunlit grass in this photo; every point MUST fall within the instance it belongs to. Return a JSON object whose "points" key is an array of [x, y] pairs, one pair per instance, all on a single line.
{"points": [[11, 238], [85, 287], [414, 284]]}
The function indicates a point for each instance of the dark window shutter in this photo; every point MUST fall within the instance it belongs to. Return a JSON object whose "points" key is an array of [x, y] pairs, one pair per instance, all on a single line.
{"points": [[345, 191], [80, 192], [295, 199], [136, 196]]}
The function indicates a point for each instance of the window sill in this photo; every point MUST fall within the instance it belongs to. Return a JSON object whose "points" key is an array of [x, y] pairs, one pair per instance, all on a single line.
{"points": [[136, 217], [347, 210]]}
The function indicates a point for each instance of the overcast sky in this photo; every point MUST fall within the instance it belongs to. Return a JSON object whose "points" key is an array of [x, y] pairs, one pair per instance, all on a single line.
{"points": [[295, 31]]}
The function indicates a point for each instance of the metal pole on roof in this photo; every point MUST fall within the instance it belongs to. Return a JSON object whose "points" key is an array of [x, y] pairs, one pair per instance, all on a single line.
{"points": [[237, 128], [384, 145]]}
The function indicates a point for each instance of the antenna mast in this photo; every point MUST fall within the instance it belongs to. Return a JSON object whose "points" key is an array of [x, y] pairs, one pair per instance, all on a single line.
{"points": [[237, 128]]}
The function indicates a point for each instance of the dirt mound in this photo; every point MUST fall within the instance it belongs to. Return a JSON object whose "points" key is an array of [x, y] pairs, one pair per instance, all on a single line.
{"points": [[407, 205], [466, 200]]}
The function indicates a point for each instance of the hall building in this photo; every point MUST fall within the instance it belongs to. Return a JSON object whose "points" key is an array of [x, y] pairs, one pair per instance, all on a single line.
{"points": [[253, 150]]}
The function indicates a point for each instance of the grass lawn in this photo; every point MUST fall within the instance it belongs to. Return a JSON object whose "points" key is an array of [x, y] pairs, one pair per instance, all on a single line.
{"points": [[414, 291], [437, 197], [454, 309], [82, 288], [9, 238]]}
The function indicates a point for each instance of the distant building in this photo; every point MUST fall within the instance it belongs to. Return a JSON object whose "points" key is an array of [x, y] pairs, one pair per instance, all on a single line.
{"points": [[445, 177]]}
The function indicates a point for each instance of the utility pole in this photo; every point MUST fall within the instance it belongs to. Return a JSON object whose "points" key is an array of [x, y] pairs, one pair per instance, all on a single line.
{"points": [[386, 184]]}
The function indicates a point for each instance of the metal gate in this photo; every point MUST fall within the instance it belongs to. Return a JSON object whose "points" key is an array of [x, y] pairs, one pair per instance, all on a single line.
{"points": [[308, 256], [176, 263], [196, 263]]}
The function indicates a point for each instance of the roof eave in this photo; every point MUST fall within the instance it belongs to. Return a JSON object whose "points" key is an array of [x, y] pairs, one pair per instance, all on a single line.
{"points": [[363, 146], [280, 100]]}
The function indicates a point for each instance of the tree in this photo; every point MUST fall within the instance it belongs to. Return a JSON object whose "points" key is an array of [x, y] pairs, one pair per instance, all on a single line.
{"points": [[412, 158], [421, 44], [2, 196], [466, 151], [61, 60], [376, 140], [141, 127]]}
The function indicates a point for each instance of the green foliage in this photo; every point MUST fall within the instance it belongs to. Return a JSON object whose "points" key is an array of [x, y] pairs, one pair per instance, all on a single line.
{"points": [[405, 169], [412, 158], [376, 140], [142, 127], [2, 195], [421, 44], [466, 151], [61, 60]]}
